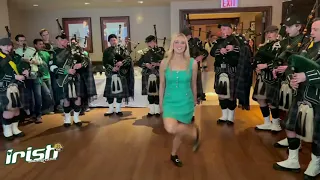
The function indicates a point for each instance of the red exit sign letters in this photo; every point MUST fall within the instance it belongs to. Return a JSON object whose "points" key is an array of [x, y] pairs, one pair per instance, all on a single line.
{"points": [[229, 3]]}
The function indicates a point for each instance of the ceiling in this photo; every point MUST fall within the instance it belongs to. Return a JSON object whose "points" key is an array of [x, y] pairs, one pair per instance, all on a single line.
{"points": [[80, 4]]}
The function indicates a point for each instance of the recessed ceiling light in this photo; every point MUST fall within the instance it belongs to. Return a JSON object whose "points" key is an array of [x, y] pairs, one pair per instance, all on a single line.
{"points": [[35, 5], [140, 2], [86, 3]]}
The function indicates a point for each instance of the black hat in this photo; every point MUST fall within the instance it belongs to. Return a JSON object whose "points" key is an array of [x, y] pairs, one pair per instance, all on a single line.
{"points": [[111, 36], [62, 36], [225, 25], [186, 31], [293, 19], [5, 42], [271, 29], [150, 38]]}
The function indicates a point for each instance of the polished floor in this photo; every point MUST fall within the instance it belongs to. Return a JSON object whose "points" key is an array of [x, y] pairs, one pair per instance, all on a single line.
{"points": [[135, 147]]}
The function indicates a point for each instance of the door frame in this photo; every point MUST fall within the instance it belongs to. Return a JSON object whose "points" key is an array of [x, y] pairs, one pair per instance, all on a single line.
{"points": [[264, 9]]}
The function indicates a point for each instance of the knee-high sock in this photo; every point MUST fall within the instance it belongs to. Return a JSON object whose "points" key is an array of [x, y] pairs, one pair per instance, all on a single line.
{"points": [[151, 104], [224, 106], [7, 127], [15, 124], [231, 106], [76, 113], [266, 114], [110, 102], [67, 116]]}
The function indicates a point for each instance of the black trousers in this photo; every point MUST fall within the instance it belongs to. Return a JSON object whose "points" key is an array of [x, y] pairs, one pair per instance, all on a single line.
{"points": [[153, 99]]}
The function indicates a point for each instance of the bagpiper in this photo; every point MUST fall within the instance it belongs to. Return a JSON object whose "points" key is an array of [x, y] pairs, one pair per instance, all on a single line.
{"points": [[119, 73], [11, 77], [303, 121], [265, 81], [150, 63], [66, 65]]}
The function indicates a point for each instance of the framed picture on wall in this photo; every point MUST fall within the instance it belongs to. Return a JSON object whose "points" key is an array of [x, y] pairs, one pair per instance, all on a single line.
{"points": [[252, 26], [115, 25], [80, 28]]}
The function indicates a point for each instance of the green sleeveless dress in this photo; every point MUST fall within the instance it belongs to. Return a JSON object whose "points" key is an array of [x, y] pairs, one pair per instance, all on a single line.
{"points": [[178, 100]]}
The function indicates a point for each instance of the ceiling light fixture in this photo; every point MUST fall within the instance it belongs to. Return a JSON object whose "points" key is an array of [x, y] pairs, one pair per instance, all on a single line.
{"points": [[35, 5], [140, 2], [86, 3]]}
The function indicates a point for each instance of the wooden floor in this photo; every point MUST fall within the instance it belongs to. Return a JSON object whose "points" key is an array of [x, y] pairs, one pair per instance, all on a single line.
{"points": [[137, 148]]}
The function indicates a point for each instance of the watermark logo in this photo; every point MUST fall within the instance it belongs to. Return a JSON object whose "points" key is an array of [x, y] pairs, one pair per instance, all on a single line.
{"points": [[49, 153]]}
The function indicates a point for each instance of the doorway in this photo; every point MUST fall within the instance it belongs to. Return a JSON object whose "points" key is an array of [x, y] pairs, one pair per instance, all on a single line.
{"points": [[251, 22]]}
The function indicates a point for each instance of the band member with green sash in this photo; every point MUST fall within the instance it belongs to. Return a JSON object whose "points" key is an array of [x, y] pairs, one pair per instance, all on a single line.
{"points": [[303, 121], [11, 77], [67, 65]]}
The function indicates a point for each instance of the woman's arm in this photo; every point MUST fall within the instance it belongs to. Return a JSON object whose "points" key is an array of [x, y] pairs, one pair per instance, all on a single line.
{"points": [[162, 82], [194, 81]]}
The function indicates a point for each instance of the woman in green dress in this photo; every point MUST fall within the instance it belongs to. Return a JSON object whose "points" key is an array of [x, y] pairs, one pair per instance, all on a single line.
{"points": [[178, 93]]}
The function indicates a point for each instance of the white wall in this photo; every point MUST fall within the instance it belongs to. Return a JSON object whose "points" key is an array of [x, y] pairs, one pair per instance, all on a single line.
{"points": [[176, 6], [4, 17], [142, 20]]}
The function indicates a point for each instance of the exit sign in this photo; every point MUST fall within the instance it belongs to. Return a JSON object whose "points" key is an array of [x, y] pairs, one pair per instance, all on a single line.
{"points": [[229, 3]]}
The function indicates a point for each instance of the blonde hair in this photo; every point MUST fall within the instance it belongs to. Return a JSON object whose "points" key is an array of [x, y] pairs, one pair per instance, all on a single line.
{"points": [[170, 53]]}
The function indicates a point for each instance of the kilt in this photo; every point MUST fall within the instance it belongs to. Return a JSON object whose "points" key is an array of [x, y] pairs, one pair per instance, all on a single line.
{"points": [[231, 72], [199, 84], [259, 92], [25, 97], [77, 86], [111, 92], [272, 93], [293, 124], [144, 83], [4, 101]]}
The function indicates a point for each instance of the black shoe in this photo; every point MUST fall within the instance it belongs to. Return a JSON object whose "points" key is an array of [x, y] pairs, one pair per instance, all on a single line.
{"points": [[158, 115], [306, 177], [10, 138], [19, 135], [149, 115], [67, 125], [119, 114], [108, 114], [230, 123], [175, 159], [221, 121], [79, 124]]}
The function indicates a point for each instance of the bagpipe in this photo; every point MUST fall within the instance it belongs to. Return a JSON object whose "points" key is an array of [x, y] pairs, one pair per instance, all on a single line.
{"points": [[263, 55], [298, 48]]}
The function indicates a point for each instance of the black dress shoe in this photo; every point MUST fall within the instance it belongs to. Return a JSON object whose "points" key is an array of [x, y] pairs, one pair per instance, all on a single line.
{"points": [[176, 161], [221, 121], [108, 114], [119, 114], [19, 135], [67, 125], [10, 138], [230, 123], [149, 115], [158, 115], [79, 124]]}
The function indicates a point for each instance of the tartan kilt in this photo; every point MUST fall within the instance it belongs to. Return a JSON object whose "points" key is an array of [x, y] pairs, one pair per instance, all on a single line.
{"points": [[231, 72], [25, 97], [293, 124], [273, 91], [144, 83], [199, 84], [4, 101], [108, 88], [259, 94], [77, 84]]}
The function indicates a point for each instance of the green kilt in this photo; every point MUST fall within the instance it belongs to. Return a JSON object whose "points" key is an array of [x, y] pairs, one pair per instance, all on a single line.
{"points": [[293, 123], [116, 89], [73, 84], [15, 99], [153, 87]]}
